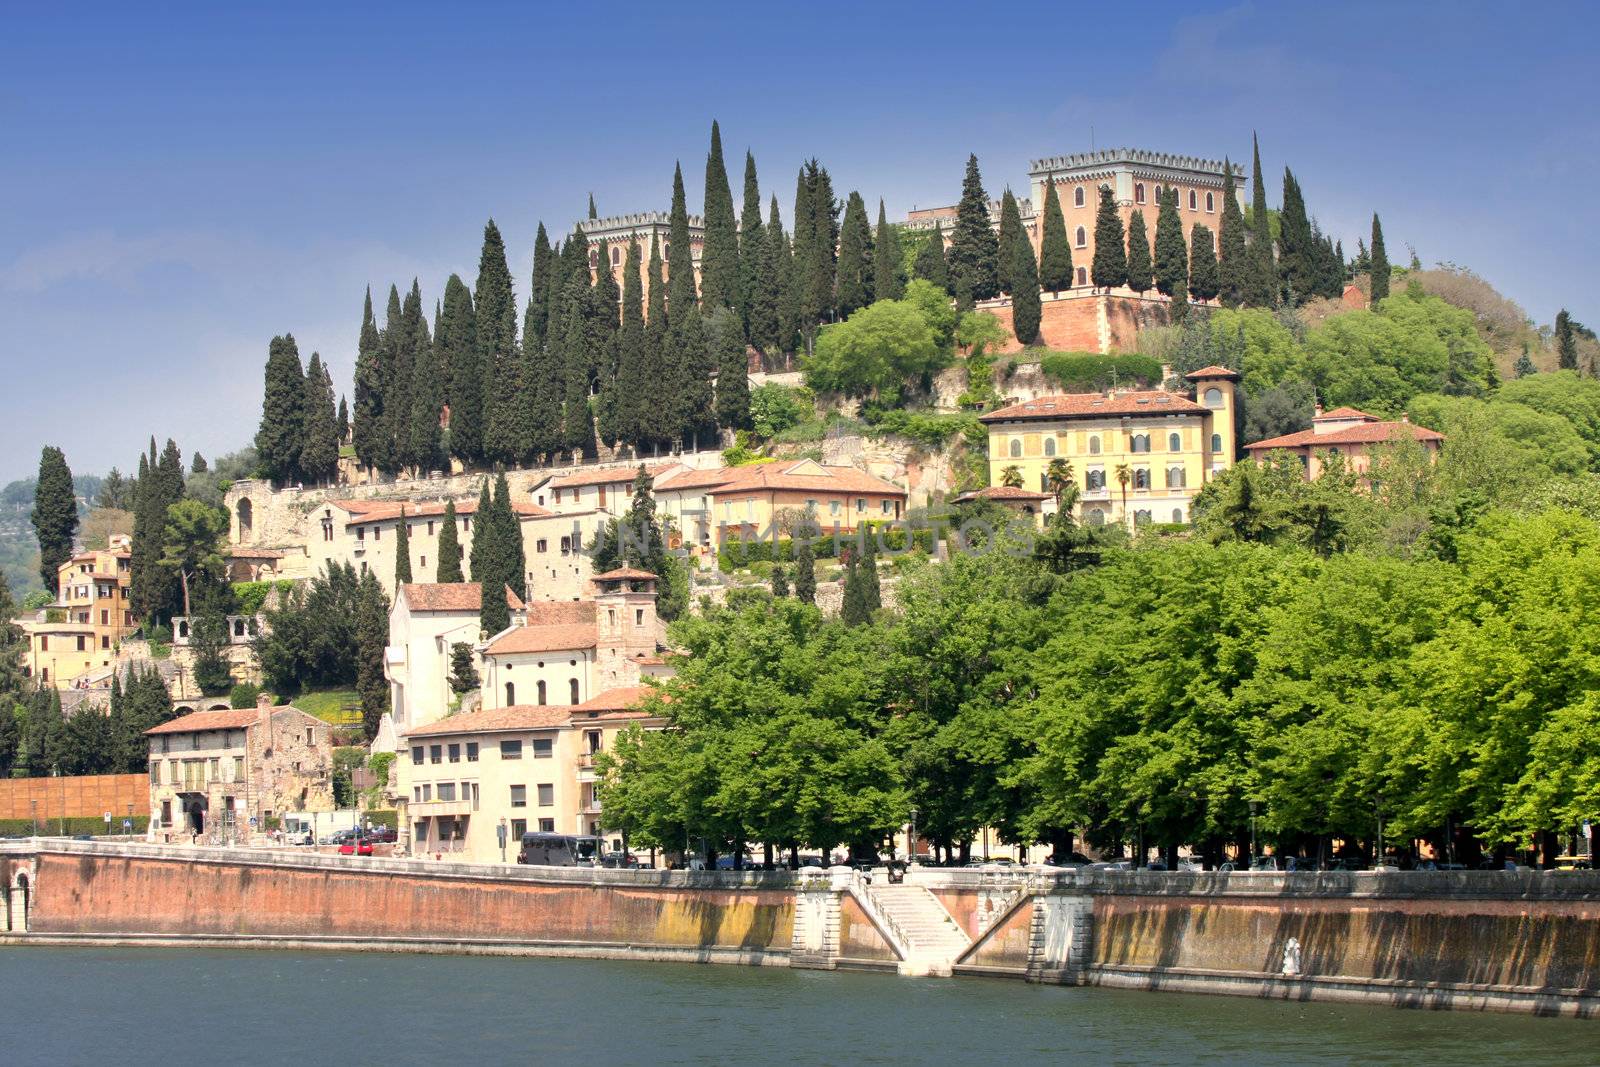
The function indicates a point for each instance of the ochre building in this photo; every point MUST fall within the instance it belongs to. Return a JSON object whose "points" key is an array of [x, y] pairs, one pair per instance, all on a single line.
{"points": [[74, 639]]}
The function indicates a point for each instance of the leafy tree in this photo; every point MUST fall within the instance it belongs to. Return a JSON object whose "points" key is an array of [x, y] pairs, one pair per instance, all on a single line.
{"points": [[371, 634], [1109, 268], [879, 348], [463, 672], [1055, 250], [208, 640], [930, 265], [193, 544], [449, 563], [1011, 477], [855, 270], [719, 260], [281, 437], [55, 514], [1140, 269], [1205, 277], [974, 257], [319, 449], [888, 264]]}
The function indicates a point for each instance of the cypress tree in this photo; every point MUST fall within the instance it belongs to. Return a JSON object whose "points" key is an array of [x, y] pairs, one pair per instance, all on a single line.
{"points": [[1379, 259], [680, 264], [1055, 251], [457, 345], [930, 263], [853, 288], [872, 591], [537, 316], [690, 365], [319, 449], [505, 430], [487, 565], [154, 592], [1263, 287], [411, 347], [543, 375], [577, 422], [593, 214], [1110, 266], [758, 308], [402, 551], [1010, 234], [393, 369], [344, 429], [55, 522], [510, 534], [785, 298], [424, 444], [1140, 268], [371, 432], [1233, 268], [780, 581], [605, 305], [656, 416], [632, 385], [1205, 279], [816, 240], [282, 432], [1023, 275], [719, 257], [805, 570], [1172, 254], [974, 258], [449, 562], [733, 380], [1566, 342], [888, 266], [853, 609], [371, 636], [1296, 244]]}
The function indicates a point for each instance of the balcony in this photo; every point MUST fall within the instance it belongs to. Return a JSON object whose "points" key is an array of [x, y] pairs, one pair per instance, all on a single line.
{"points": [[421, 808]]}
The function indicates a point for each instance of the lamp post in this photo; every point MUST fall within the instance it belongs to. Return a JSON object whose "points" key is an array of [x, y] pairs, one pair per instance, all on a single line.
{"points": [[502, 829], [1252, 835], [911, 842]]}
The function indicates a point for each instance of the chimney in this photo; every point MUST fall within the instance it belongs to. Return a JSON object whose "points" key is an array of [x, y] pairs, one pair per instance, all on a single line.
{"points": [[263, 701], [1405, 418], [1316, 410]]}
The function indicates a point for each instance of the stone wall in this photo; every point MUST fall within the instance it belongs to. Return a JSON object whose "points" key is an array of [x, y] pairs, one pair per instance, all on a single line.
{"points": [[1082, 321]]}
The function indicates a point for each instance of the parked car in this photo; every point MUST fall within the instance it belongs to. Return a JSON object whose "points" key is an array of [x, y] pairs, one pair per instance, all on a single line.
{"points": [[1266, 863], [353, 846], [1075, 859], [382, 834], [620, 860]]}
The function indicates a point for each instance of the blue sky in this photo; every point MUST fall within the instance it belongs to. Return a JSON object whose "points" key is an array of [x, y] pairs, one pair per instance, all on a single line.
{"points": [[182, 182]]}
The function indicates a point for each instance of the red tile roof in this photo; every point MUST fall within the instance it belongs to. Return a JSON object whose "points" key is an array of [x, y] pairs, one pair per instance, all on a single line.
{"points": [[1212, 371], [805, 475], [624, 574], [196, 721], [1364, 433], [553, 626], [515, 717], [1002, 492], [610, 476], [562, 613], [1098, 405], [1338, 414], [695, 479], [623, 698], [449, 596], [364, 511]]}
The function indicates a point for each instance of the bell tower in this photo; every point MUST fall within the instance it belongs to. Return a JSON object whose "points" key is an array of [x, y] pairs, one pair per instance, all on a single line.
{"points": [[625, 620]]}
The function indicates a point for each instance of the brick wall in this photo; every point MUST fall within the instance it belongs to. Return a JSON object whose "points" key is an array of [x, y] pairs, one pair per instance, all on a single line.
{"points": [[1081, 321]]}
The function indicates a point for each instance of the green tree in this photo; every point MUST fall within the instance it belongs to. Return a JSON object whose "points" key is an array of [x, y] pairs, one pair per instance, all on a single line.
{"points": [[853, 288], [1109, 268], [974, 256], [1026, 310], [407, 346], [461, 361], [726, 335], [879, 348], [208, 641], [154, 591], [1262, 290], [1171, 253], [319, 449], [786, 307], [1055, 250], [425, 447], [888, 264], [632, 385], [402, 551], [463, 673], [505, 412], [1140, 268], [780, 580], [816, 240], [757, 267], [1566, 342], [373, 439], [1205, 276], [1010, 233], [371, 635], [1525, 367], [536, 318], [1296, 244], [55, 514], [719, 259], [282, 434], [930, 265], [449, 562], [1233, 255], [193, 544], [1379, 263], [805, 567]]}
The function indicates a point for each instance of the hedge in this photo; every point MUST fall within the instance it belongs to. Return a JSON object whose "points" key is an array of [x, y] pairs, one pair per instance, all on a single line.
{"points": [[1090, 372], [735, 555], [383, 817], [73, 826]]}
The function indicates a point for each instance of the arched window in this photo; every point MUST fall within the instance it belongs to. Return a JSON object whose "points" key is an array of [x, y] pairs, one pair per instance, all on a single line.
{"points": [[1049, 446], [616, 256], [1177, 514], [1016, 448], [542, 700], [1138, 192], [1094, 445], [1141, 478], [1211, 201], [1158, 192], [1175, 478], [246, 519], [1096, 517], [1077, 197], [594, 258], [1216, 442], [1193, 204], [1083, 276], [511, 694], [1213, 397], [1082, 241], [1141, 517], [1095, 479], [183, 628], [1140, 443], [1174, 442], [666, 251], [574, 685]]}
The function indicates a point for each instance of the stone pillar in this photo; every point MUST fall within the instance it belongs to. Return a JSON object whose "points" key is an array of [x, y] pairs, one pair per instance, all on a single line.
{"points": [[1061, 940], [815, 941]]}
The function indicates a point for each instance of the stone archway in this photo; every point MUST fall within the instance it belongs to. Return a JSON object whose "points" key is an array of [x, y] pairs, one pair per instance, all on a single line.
{"points": [[17, 903], [194, 815], [246, 515]]}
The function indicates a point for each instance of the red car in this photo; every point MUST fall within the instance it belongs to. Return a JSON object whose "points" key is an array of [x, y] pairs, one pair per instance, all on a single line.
{"points": [[352, 847]]}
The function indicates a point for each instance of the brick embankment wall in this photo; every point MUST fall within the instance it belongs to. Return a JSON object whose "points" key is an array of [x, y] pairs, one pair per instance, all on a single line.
{"points": [[137, 894]]}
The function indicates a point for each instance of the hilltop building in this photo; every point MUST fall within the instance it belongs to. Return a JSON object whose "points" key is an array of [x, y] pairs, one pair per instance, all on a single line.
{"points": [[1350, 435], [73, 640], [1137, 456], [618, 230]]}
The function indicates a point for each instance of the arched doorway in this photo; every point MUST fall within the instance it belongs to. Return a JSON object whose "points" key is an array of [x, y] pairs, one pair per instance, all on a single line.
{"points": [[246, 512], [195, 815], [17, 904]]}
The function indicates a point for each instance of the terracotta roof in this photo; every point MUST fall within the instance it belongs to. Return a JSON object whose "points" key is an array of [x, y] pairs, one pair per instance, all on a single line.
{"points": [[449, 596], [542, 639], [515, 717], [1098, 405], [1338, 414], [806, 475], [623, 698], [623, 574], [210, 720], [254, 553], [1365, 433], [608, 477], [1002, 492], [364, 511], [562, 613], [695, 479], [1212, 371]]}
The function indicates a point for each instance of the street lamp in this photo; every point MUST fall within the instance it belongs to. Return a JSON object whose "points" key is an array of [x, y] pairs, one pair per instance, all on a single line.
{"points": [[911, 842], [1252, 835], [502, 832]]}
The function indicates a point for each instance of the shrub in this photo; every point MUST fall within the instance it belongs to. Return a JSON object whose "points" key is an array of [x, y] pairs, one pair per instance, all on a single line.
{"points": [[1087, 372], [774, 408], [244, 695]]}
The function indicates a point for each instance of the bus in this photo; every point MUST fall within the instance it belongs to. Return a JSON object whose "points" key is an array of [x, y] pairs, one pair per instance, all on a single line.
{"points": [[559, 850]]}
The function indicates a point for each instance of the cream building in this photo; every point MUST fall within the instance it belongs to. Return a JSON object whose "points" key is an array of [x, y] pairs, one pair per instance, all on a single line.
{"points": [[1137, 456], [426, 622], [1349, 436], [73, 640], [224, 776]]}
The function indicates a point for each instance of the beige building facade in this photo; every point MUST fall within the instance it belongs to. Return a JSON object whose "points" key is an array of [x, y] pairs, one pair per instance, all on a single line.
{"points": [[73, 640], [1349, 438]]}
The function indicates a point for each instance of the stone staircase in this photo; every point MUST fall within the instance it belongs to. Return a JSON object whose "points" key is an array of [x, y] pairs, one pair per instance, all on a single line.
{"points": [[930, 940]]}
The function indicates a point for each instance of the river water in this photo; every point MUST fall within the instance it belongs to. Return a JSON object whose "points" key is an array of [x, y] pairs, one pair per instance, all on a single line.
{"points": [[174, 1006]]}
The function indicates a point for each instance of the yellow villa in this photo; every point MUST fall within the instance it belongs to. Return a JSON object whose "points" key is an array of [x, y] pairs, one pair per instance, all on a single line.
{"points": [[1135, 455], [75, 638]]}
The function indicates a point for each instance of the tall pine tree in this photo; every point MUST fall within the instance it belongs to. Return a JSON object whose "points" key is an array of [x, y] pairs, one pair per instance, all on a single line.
{"points": [[403, 356], [1010, 233], [402, 551], [888, 265], [1379, 259], [505, 430], [577, 425], [424, 445], [319, 449], [1109, 268], [719, 257], [537, 316], [459, 357], [1055, 251], [1234, 259], [1263, 277], [726, 336], [854, 285], [448, 566], [758, 292], [816, 240], [974, 256], [633, 387], [656, 419], [1566, 341], [930, 264], [1297, 251], [1205, 279], [282, 432], [55, 519], [785, 298], [1172, 253], [372, 439], [1141, 271]]}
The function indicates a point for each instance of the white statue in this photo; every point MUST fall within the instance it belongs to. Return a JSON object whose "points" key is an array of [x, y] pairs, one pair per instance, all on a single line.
{"points": [[1291, 957]]}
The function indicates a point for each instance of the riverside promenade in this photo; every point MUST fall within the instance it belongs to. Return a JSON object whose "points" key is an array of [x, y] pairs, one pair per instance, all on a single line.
{"points": [[1505, 941]]}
